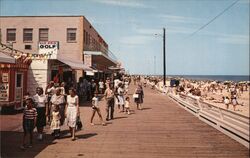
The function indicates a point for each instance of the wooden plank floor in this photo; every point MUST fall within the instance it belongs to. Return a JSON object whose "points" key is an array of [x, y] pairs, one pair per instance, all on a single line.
{"points": [[162, 129]]}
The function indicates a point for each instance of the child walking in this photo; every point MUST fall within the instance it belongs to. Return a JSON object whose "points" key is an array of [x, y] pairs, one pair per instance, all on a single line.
{"points": [[127, 105], [95, 108], [55, 122], [29, 122]]}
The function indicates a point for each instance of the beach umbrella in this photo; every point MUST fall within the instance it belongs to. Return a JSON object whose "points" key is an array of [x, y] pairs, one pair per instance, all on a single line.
{"points": [[114, 68], [214, 82], [242, 82]]}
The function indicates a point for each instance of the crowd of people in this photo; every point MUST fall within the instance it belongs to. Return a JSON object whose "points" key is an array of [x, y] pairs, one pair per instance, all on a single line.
{"points": [[227, 92], [58, 105]]}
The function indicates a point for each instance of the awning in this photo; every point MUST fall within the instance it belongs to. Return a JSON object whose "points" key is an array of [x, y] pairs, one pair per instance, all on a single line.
{"points": [[6, 58], [90, 73], [74, 64], [98, 53], [114, 68]]}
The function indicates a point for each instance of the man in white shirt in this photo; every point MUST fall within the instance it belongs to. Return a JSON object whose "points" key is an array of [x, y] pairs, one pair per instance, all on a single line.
{"points": [[101, 86], [116, 81]]}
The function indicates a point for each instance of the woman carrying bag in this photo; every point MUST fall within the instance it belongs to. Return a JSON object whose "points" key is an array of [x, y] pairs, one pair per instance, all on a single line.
{"points": [[138, 96]]}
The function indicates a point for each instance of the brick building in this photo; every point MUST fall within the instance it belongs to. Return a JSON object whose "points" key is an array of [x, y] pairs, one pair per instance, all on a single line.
{"points": [[68, 40]]}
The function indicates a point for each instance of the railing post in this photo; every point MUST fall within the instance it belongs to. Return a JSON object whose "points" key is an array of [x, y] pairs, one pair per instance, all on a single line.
{"points": [[198, 103], [221, 116]]}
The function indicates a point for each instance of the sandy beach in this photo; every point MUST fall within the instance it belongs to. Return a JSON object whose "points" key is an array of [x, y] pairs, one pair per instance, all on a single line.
{"points": [[215, 98]]}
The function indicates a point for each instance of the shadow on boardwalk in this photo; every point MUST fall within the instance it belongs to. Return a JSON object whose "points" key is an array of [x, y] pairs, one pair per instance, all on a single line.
{"points": [[162, 130], [11, 142]]}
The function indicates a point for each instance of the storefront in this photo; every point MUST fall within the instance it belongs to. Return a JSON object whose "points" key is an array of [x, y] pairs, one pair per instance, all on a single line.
{"points": [[100, 62], [13, 81], [52, 65]]}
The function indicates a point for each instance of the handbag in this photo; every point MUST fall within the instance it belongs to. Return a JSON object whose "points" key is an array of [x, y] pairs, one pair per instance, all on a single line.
{"points": [[135, 95], [78, 123]]}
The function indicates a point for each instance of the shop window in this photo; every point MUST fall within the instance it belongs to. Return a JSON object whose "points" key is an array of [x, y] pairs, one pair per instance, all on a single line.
{"points": [[11, 35], [0, 36], [88, 38], [84, 38], [71, 35], [19, 80], [43, 34], [27, 47], [27, 35]]}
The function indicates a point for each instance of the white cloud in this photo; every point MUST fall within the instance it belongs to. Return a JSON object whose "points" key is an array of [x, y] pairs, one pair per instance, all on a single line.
{"points": [[179, 30], [173, 30], [233, 39], [98, 21], [180, 19], [136, 40], [228, 38], [244, 2], [149, 32], [146, 34], [124, 3]]}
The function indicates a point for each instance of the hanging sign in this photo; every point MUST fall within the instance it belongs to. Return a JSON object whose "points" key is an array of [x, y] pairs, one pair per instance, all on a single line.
{"points": [[90, 73], [49, 47], [5, 77], [4, 92], [88, 60]]}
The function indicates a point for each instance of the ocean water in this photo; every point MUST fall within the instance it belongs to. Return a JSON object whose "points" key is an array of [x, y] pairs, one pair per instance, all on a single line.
{"points": [[214, 77]]}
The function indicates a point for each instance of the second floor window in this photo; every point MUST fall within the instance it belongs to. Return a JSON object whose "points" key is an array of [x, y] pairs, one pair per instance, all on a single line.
{"points": [[0, 35], [43, 34], [71, 35], [27, 35], [84, 37], [11, 34]]}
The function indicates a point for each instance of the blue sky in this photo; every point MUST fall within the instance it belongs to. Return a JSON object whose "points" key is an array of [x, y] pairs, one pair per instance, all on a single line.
{"points": [[129, 27]]}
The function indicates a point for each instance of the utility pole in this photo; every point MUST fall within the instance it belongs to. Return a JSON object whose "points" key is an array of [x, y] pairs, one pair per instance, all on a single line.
{"points": [[164, 56], [154, 65]]}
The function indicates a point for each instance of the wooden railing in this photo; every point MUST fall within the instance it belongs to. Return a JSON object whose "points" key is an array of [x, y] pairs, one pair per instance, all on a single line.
{"points": [[233, 124]]}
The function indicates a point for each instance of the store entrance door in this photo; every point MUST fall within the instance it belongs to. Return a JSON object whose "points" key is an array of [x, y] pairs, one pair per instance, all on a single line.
{"points": [[19, 91]]}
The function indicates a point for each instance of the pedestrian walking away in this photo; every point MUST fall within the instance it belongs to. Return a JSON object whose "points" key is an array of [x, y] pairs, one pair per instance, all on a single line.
{"points": [[101, 86], [126, 83], [50, 91], [139, 100]]}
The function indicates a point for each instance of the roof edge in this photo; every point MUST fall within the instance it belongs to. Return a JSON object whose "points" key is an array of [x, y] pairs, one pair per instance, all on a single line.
{"points": [[44, 16]]}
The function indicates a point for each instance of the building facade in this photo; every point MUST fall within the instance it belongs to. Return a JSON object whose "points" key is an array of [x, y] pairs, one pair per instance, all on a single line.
{"points": [[65, 38], [13, 79]]}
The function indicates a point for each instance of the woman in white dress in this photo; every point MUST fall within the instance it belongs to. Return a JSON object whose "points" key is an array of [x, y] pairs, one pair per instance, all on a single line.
{"points": [[126, 86], [71, 111], [120, 96], [42, 110]]}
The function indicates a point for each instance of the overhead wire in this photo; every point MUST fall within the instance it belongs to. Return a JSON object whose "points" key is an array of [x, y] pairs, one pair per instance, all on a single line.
{"points": [[210, 21]]}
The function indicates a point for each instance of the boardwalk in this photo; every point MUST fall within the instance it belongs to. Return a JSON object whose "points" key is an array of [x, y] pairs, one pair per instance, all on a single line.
{"points": [[162, 129]]}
